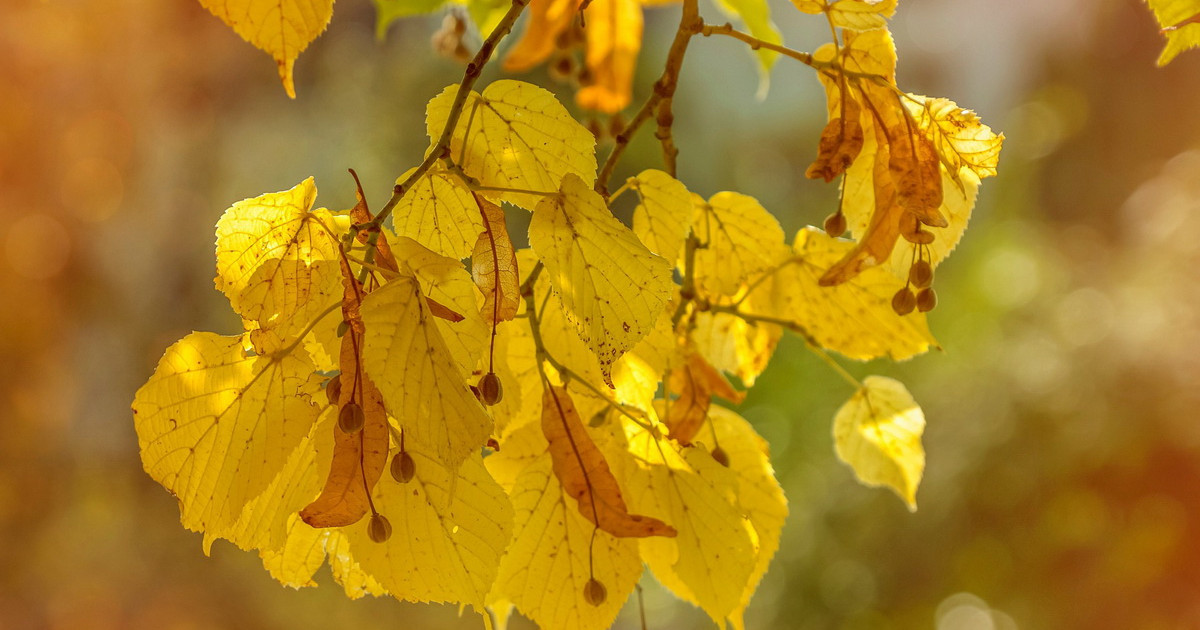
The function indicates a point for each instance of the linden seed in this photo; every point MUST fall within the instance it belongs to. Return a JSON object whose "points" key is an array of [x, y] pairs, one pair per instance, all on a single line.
{"points": [[562, 68], [835, 224], [721, 456], [926, 300], [490, 389], [379, 529], [904, 301], [594, 592], [403, 467], [333, 389], [920, 275], [918, 236], [595, 128], [350, 418], [342, 328]]}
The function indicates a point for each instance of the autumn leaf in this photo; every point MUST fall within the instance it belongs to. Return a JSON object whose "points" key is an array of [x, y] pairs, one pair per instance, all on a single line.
{"points": [[738, 240], [439, 212], [878, 433], [361, 215], [711, 559], [733, 345], [518, 136], [450, 527], [584, 473], [960, 139], [422, 387], [555, 552], [663, 216], [854, 318], [859, 15], [614, 36], [547, 19], [280, 28], [276, 263], [841, 141], [494, 266], [215, 424], [611, 287], [1180, 22]]}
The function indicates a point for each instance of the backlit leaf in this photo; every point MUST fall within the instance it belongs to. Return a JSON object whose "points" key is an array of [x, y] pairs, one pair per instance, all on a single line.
{"points": [[215, 425], [878, 433], [614, 36], [414, 370], [611, 287], [555, 551], [663, 217], [515, 135], [859, 15], [738, 240], [439, 213], [1180, 22], [281, 28], [494, 266], [275, 263]]}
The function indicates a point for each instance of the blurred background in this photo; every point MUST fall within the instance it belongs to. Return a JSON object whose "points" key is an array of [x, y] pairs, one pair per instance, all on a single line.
{"points": [[1063, 479]]}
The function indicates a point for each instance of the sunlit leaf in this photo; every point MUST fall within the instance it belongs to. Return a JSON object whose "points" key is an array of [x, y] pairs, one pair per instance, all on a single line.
{"points": [[663, 217], [878, 433], [859, 15]]}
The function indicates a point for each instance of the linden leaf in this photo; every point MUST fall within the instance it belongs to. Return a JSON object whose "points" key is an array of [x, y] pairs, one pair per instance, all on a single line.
{"points": [[738, 239], [695, 383], [854, 318], [733, 345], [585, 475], [841, 142], [418, 377], [439, 213], [859, 15], [1180, 22], [494, 266], [275, 262], [878, 433], [914, 167], [555, 552], [449, 531], [614, 37], [358, 458], [446, 281], [611, 287], [515, 135], [960, 138], [546, 19], [280, 28], [663, 217], [711, 560], [215, 425], [758, 493]]}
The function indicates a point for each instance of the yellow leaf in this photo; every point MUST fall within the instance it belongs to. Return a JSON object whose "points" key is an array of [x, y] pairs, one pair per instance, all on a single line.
{"points": [[734, 346], [711, 559], [1180, 22], [738, 240], [515, 135], [418, 377], [215, 426], [859, 15], [439, 213], [693, 384], [275, 263], [555, 551], [346, 571], [854, 318], [519, 448], [611, 287], [547, 18], [663, 217], [960, 138], [302, 553], [584, 474], [447, 281], [841, 140], [281, 28], [449, 530], [878, 433], [614, 36], [758, 493]]}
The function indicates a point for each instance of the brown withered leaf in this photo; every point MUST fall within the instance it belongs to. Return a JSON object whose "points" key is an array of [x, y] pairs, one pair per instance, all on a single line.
{"points": [[695, 382], [841, 142], [441, 310], [494, 266], [915, 168], [361, 214], [358, 458], [584, 473], [883, 230]]}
